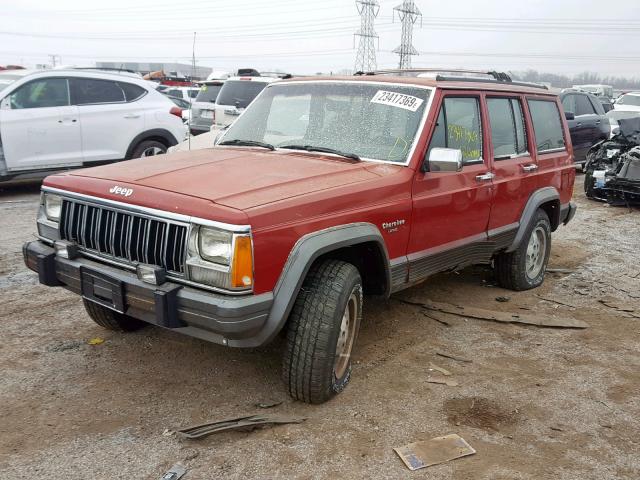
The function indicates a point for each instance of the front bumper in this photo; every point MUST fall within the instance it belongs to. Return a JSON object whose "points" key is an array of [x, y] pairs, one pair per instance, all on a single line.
{"points": [[223, 319]]}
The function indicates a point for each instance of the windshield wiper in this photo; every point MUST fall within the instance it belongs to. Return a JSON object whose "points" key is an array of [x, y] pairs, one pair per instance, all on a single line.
{"points": [[248, 143], [311, 148]]}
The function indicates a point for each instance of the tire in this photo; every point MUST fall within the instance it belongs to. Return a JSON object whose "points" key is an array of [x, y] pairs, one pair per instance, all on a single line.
{"points": [[111, 320], [317, 332], [524, 268], [149, 148]]}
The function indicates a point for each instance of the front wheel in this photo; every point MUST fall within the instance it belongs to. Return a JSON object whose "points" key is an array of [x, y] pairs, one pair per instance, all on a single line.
{"points": [[322, 330], [525, 267]]}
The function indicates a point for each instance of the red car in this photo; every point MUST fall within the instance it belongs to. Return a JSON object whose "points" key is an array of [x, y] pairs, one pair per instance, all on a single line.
{"points": [[323, 191]]}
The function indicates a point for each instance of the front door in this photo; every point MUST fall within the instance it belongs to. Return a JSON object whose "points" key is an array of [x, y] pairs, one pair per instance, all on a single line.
{"points": [[38, 127], [451, 209]]}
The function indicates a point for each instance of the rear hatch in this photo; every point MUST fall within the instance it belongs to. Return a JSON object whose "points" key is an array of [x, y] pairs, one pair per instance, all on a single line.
{"points": [[234, 97]]}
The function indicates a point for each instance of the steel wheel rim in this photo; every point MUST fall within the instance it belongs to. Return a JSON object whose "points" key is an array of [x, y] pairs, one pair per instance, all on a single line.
{"points": [[346, 336], [152, 152], [536, 252]]}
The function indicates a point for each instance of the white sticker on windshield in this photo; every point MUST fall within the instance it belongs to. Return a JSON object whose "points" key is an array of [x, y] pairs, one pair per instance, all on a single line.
{"points": [[394, 99]]}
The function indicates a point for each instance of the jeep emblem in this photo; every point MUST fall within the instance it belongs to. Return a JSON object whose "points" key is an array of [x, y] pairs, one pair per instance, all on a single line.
{"points": [[125, 192]]}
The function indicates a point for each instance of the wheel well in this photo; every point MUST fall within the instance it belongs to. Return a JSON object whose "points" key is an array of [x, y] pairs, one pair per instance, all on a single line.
{"points": [[552, 209], [157, 135], [369, 259]]}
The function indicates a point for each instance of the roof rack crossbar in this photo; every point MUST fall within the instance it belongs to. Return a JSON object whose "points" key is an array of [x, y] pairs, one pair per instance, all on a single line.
{"points": [[443, 78]]}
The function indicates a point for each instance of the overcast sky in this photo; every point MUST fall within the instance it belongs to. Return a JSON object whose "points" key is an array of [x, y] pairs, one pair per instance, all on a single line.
{"points": [[304, 36]]}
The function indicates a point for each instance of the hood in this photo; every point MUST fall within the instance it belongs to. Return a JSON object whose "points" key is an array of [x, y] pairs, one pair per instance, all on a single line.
{"points": [[239, 178]]}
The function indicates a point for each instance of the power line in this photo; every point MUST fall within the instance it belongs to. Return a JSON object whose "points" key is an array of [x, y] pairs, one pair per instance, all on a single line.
{"points": [[366, 56]]}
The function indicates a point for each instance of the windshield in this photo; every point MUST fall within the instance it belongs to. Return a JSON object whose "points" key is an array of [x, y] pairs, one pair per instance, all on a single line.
{"points": [[208, 93], [633, 100], [377, 122], [239, 93]]}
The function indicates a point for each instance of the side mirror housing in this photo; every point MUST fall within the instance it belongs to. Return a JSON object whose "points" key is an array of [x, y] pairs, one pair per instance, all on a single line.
{"points": [[569, 115], [5, 104], [444, 160]]}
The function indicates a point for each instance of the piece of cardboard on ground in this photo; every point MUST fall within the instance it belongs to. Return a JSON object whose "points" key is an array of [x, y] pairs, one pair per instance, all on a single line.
{"points": [[538, 319], [433, 452]]}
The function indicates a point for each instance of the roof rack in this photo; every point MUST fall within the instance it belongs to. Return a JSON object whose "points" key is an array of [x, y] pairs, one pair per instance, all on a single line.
{"points": [[495, 76]]}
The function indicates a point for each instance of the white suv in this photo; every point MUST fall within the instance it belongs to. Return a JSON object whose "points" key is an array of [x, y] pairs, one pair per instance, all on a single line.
{"points": [[57, 119]]}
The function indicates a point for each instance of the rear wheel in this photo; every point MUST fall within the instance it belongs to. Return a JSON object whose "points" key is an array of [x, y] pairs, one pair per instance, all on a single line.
{"points": [[110, 319], [149, 148], [322, 330], [525, 267]]}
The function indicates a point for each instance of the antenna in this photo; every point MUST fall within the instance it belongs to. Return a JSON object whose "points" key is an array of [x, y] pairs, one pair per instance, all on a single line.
{"points": [[193, 69], [366, 56], [408, 14]]}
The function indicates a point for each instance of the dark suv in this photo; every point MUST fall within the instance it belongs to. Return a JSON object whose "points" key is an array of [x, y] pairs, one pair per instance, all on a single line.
{"points": [[588, 123]]}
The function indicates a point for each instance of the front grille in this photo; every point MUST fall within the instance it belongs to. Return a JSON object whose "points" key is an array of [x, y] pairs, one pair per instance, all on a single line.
{"points": [[124, 236]]}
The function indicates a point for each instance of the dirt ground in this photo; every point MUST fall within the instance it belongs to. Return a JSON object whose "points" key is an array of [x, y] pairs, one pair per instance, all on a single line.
{"points": [[536, 403]]}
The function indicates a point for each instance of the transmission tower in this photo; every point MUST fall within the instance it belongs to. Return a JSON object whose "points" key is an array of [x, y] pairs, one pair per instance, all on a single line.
{"points": [[366, 56], [408, 13]]}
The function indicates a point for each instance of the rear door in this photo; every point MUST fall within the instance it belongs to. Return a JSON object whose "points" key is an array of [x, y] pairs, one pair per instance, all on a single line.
{"points": [[38, 127], [451, 209], [514, 167], [109, 121]]}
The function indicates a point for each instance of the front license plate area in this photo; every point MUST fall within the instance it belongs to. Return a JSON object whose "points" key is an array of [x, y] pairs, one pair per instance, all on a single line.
{"points": [[102, 289]]}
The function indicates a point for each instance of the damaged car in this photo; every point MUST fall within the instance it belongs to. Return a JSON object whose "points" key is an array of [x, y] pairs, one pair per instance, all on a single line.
{"points": [[612, 171]]}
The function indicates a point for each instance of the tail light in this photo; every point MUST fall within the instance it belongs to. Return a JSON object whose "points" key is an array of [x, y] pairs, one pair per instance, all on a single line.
{"points": [[177, 111]]}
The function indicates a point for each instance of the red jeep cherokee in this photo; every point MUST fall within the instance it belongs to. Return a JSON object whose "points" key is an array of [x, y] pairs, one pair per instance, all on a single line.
{"points": [[325, 189]]}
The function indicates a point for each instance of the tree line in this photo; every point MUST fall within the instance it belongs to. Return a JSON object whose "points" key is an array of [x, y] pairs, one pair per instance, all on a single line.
{"points": [[585, 78]]}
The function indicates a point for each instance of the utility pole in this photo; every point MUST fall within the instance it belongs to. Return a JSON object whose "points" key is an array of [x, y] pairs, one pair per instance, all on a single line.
{"points": [[53, 59], [366, 56], [408, 13]]}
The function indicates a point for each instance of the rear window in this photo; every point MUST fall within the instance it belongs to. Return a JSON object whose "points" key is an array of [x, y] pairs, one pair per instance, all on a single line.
{"points": [[546, 125], [208, 93], [87, 91], [131, 92], [507, 127], [239, 93]]}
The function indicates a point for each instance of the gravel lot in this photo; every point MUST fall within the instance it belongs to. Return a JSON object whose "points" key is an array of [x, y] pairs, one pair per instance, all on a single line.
{"points": [[536, 403]]}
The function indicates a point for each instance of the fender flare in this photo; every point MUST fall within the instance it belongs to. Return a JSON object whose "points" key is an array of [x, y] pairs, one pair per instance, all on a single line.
{"points": [[538, 198], [166, 135], [306, 251]]}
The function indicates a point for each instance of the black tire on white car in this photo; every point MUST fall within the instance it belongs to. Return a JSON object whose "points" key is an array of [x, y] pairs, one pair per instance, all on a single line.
{"points": [[149, 148]]}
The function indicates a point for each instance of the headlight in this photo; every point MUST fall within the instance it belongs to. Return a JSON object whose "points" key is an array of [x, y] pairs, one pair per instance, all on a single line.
{"points": [[52, 207], [220, 258], [215, 245]]}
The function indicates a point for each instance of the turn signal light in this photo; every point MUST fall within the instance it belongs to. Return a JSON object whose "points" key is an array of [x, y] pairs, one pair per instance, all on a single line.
{"points": [[242, 269]]}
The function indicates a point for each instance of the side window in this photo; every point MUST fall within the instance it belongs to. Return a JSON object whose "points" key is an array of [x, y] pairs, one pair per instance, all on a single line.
{"points": [[174, 93], [569, 104], [459, 127], [583, 106], [597, 106], [507, 127], [132, 92], [88, 91], [546, 125], [50, 92]]}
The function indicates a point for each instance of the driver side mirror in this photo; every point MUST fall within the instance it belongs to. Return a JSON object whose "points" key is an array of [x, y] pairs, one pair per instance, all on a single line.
{"points": [[5, 104], [444, 160], [569, 115]]}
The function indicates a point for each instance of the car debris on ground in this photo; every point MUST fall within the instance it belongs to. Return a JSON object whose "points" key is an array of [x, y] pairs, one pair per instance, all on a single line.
{"points": [[536, 319], [612, 171], [434, 452], [174, 473], [241, 423]]}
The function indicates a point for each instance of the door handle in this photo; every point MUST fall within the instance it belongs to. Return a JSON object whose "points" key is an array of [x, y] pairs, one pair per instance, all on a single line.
{"points": [[73, 120], [132, 115], [529, 168], [487, 177], [579, 124], [597, 122]]}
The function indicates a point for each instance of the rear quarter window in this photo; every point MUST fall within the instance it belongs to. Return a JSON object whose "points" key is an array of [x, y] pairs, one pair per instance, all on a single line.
{"points": [[132, 92], [547, 125]]}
